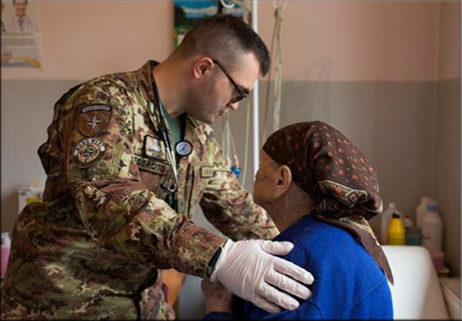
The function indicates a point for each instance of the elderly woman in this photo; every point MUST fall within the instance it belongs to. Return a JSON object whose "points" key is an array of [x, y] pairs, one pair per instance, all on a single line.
{"points": [[320, 190]]}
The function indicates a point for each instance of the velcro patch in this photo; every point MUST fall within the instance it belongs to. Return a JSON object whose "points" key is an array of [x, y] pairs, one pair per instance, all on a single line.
{"points": [[88, 152], [151, 166], [94, 119], [154, 148], [207, 172]]}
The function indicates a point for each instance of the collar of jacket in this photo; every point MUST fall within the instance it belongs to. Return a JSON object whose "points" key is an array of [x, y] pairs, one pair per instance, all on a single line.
{"points": [[145, 80]]}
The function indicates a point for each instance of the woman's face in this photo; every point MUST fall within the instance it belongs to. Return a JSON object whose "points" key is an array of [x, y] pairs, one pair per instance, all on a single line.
{"points": [[265, 180]]}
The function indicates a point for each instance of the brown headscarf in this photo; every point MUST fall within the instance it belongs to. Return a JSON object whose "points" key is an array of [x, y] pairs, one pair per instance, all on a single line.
{"points": [[338, 177]]}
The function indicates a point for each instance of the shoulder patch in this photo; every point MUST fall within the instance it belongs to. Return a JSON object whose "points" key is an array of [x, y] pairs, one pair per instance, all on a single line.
{"points": [[88, 152], [94, 119]]}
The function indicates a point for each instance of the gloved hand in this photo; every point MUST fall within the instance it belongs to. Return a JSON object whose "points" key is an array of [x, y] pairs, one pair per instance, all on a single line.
{"points": [[250, 270]]}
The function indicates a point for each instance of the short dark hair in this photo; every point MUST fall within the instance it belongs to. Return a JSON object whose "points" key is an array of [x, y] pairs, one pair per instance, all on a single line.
{"points": [[223, 37], [14, 1]]}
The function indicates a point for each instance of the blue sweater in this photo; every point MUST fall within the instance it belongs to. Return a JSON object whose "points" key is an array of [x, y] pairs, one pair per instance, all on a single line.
{"points": [[348, 284]]}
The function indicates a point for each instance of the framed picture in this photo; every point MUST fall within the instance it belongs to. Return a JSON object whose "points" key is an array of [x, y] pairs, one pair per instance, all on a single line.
{"points": [[189, 13], [21, 34]]}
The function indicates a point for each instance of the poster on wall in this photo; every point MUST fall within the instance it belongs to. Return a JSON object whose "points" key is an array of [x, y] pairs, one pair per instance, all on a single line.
{"points": [[190, 12], [21, 35]]}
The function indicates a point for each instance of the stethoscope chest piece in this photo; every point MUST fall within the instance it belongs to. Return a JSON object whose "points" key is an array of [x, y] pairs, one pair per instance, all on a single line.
{"points": [[183, 148]]}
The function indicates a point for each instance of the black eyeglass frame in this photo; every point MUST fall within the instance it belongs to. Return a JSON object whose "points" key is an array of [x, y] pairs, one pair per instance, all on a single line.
{"points": [[241, 90]]}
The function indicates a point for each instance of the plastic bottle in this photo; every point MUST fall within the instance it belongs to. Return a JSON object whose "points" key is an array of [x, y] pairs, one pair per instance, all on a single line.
{"points": [[432, 228], [385, 219], [407, 222], [438, 259], [6, 243], [235, 168], [422, 210], [396, 232], [413, 235]]}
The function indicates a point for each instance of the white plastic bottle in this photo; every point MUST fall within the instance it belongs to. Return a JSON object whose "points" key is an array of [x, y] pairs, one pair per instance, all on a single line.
{"points": [[385, 219], [432, 228], [422, 210]]}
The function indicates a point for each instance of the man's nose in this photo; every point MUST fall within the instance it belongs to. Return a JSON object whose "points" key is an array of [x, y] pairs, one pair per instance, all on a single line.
{"points": [[234, 106]]}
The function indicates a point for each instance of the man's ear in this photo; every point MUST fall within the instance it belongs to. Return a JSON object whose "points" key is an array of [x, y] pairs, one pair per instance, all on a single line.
{"points": [[284, 179], [202, 66]]}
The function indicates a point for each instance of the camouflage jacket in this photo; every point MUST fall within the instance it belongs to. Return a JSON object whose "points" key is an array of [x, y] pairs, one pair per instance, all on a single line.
{"points": [[95, 244]]}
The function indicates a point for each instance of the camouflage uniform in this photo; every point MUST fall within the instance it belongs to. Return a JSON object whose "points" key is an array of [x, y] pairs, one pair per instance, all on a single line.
{"points": [[93, 248]]}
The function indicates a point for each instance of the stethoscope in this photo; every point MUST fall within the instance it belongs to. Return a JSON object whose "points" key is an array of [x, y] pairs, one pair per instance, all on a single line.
{"points": [[183, 148]]}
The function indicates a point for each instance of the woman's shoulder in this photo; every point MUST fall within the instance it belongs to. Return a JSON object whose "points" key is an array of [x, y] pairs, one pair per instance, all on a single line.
{"points": [[309, 232], [321, 246]]}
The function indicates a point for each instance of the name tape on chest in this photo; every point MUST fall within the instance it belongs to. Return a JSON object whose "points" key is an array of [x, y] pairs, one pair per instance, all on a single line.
{"points": [[93, 120], [151, 165], [207, 172]]}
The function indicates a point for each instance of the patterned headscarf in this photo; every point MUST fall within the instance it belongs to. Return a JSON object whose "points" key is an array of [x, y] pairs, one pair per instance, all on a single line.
{"points": [[337, 176]]}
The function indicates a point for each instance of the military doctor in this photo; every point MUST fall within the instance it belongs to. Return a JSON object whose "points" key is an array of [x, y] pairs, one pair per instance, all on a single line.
{"points": [[128, 158]]}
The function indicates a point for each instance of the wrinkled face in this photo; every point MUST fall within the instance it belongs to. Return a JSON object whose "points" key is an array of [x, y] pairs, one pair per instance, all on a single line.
{"points": [[265, 180], [20, 7], [217, 92]]}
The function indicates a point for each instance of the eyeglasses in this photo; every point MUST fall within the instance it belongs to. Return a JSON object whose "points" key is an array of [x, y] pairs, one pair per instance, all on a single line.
{"points": [[242, 91]]}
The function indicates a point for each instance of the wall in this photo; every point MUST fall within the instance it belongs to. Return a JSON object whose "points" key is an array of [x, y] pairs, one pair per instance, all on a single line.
{"points": [[27, 111], [387, 74], [356, 40], [447, 156], [85, 39], [399, 43]]}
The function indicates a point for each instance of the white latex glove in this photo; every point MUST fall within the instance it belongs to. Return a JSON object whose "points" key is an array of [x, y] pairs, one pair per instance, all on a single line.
{"points": [[250, 270]]}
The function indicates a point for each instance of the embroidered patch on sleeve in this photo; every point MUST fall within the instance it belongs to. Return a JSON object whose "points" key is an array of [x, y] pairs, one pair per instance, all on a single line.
{"points": [[88, 152], [94, 119]]}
